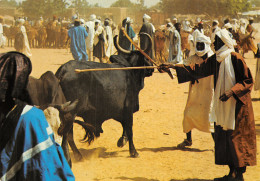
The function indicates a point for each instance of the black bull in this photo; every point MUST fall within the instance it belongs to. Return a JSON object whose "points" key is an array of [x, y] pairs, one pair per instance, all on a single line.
{"points": [[45, 92], [106, 95]]}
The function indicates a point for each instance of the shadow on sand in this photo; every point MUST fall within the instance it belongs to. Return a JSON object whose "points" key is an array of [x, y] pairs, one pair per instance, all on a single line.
{"points": [[136, 179], [193, 179], [161, 149]]}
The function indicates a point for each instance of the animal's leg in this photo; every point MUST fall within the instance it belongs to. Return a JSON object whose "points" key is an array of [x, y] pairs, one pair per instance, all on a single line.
{"points": [[129, 133], [65, 148], [122, 140], [73, 146]]}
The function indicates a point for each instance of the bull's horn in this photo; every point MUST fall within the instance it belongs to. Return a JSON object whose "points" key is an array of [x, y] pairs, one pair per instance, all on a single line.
{"points": [[151, 41], [119, 47], [67, 107]]}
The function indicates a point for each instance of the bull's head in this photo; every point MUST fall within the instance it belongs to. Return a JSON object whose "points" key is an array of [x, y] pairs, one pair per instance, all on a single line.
{"points": [[136, 58]]}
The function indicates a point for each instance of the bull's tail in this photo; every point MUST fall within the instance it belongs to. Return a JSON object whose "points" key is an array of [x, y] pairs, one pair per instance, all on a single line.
{"points": [[90, 131]]}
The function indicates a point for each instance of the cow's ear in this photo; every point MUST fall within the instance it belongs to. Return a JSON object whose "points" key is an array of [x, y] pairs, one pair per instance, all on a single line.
{"points": [[120, 60]]}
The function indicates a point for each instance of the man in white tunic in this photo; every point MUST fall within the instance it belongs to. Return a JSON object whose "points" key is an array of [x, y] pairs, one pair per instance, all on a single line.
{"points": [[91, 33], [109, 38], [26, 48], [198, 106], [176, 55]]}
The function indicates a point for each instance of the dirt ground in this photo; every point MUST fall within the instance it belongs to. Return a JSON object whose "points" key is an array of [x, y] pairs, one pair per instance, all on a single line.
{"points": [[157, 131]]}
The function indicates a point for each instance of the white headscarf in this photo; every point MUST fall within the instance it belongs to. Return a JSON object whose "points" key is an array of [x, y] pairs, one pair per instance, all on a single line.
{"points": [[21, 21], [92, 17], [146, 18], [223, 113], [206, 40]]}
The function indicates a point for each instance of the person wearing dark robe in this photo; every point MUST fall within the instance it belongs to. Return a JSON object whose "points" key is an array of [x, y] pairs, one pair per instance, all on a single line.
{"points": [[123, 40], [27, 147], [99, 41], [144, 40], [232, 112]]}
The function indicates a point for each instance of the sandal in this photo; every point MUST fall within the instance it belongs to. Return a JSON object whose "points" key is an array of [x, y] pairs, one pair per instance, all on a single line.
{"points": [[184, 144]]}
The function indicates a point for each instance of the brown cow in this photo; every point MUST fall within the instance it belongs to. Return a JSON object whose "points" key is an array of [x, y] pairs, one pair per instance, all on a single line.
{"points": [[32, 33], [159, 46]]}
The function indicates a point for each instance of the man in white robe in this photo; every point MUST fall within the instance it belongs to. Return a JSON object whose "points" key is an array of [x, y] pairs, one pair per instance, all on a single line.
{"points": [[91, 33], [26, 48], [198, 106], [109, 38], [176, 55]]}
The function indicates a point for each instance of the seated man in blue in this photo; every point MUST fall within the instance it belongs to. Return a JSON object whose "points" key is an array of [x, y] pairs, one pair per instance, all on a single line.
{"points": [[27, 147]]}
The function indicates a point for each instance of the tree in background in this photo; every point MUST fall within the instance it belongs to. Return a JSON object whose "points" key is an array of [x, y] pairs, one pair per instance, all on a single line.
{"points": [[33, 8], [211, 7], [9, 3]]}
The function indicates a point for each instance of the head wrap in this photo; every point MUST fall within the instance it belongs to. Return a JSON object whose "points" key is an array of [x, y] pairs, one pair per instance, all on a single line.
{"points": [[82, 21], [207, 42], [225, 37], [21, 21], [128, 20], [14, 72], [227, 26], [216, 21], [92, 17], [226, 80], [74, 17], [146, 18]]}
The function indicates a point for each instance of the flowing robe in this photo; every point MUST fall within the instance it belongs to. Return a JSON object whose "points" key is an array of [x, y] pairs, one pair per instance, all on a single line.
{"points": [[198, 106], [31, 152], [232, 147], [78, 35], [144, 40]]}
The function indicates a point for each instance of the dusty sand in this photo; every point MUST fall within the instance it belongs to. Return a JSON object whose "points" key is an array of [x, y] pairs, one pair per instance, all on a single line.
{"points": [[157, 131]]}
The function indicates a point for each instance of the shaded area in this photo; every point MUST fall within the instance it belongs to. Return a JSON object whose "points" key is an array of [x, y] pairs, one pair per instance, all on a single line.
{"points": [[162, 149], [257, 129], [189, 179], [99, 152], [255, 99], [136, 179]]}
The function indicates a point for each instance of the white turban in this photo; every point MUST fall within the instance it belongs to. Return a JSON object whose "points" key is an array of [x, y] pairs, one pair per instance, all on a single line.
{"points": [[228, 25], [97, 20], [216, 21], [206, 40], [82, 21], [21, 21], [225, 37], [128, 20], [146, 17], [92, 17]]}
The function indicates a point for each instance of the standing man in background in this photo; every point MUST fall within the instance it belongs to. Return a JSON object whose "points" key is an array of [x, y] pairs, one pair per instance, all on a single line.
{"points": [[90, 39], [149, 29], [78, 34]]}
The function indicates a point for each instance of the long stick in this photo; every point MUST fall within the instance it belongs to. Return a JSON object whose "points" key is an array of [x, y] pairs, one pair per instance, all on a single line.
{"points": [[147, 56], [119, 68]]}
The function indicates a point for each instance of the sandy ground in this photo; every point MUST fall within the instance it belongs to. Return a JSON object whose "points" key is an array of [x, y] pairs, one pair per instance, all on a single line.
{"points": [[157, 131]]}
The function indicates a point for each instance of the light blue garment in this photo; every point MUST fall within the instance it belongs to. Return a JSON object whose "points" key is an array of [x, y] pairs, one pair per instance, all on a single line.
{"points": [[78, 35], [32, 153], [176, 53]]}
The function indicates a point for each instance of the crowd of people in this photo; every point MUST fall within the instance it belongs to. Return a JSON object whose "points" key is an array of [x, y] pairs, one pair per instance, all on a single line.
{"points": [[219, 100]]}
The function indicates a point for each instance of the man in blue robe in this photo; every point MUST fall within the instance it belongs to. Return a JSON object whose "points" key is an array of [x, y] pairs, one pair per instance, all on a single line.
{"points": [[27, 147], [78, 35]]}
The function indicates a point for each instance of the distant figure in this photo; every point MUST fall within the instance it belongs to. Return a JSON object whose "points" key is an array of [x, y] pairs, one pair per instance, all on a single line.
{"points": [[215, 29], [149, 29], [249, 44], [176, 54], [1, 32], [109, 38], [21, 40], [90, 39], [78, 34], [123, 40], [99, 41]]}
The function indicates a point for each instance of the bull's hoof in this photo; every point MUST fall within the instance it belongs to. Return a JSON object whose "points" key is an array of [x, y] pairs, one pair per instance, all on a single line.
{"points": [[78, 157], [134, 155], [122, 141]]}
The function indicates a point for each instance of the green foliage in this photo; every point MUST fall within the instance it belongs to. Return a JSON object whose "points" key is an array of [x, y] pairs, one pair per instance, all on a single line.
{"points": [[10, 3], [123, 3], [45, 8], [211, 7]]}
